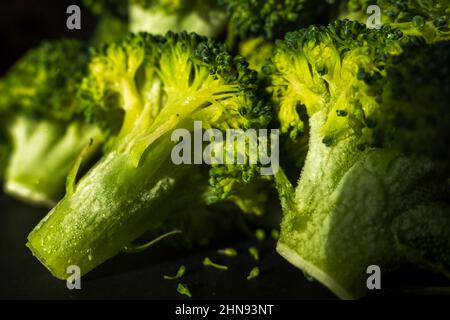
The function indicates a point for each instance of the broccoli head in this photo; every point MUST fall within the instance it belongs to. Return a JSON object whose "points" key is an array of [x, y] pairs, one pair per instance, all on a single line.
{"points": [[160, 84], [374, 184], [273, 18], [428, 19], [42, 118]]}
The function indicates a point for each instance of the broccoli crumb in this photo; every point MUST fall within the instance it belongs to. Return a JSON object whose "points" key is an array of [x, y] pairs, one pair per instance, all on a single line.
{"points": [[275, 234], [229, 252], [260, 234], [253, 273], [181, 271], [254, 253], [208, 263], [184, 290]]}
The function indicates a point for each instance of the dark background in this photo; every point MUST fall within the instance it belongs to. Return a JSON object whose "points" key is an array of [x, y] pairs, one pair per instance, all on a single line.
{"points": [[23, 24]]}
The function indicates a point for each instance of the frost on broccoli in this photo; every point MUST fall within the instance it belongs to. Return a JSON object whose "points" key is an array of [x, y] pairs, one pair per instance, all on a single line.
{"points": [[428, 19], [160, 84], [374, 187], [42, 119]]}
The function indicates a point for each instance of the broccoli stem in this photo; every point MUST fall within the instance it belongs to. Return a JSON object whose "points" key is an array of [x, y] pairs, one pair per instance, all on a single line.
{"points": [[341, 221], [42, 155], [111, 206]]}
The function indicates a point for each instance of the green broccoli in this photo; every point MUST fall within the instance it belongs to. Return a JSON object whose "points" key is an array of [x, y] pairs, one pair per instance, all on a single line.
{"points": [[428, 19], [254, 25], [374, 186], [161, 84], [204, 17], [43, 120]]}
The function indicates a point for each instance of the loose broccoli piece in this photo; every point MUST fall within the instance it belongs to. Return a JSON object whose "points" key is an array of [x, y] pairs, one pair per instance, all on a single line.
{"points": [[42, 117], [428, 19], [161, 84], [374, 187], [180, 273], [204, 17]]}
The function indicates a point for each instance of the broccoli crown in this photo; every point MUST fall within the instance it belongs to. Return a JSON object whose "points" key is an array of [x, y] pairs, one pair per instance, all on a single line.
{"points": [[44, 83], [272, 18], [161, 83], [373, 84], [205, 17], [429, 19]]}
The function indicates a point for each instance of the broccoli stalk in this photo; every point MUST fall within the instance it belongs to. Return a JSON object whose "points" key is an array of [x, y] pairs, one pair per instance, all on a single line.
{"points": [[43, 121], [372, 190], [161, 84]]}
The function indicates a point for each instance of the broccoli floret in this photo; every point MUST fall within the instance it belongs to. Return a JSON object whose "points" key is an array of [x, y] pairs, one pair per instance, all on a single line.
{"points": [[273, 18], [374, 187], [42, 117], [428, 19], [161, 84], [200, 16]]}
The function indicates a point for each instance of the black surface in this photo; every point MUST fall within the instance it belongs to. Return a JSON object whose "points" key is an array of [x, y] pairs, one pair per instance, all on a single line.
{"points": [[140, 276]]}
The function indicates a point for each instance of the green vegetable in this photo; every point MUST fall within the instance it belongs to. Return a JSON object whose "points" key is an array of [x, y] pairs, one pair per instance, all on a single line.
{"points": [[158, 17], [132, 248], [429, 19], [254, 25], [260, 234], [43, 119], [275, 234], [374, 186], [180, 273], [254, 253], [208, 263], [256, 51], [184, 290], [161, 84], [229, 252], [254, 273]]}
